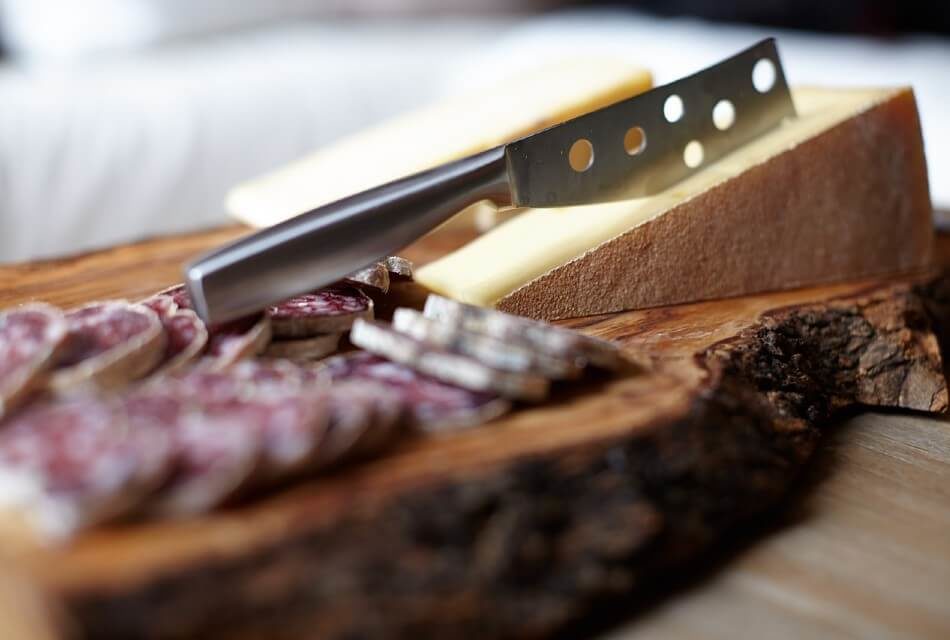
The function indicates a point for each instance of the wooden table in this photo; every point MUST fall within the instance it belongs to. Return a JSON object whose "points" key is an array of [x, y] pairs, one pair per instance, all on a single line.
{"points": [[862, 550]]}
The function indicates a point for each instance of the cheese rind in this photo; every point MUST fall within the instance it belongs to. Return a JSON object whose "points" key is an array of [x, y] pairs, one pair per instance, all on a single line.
{"points": [[440, 133], [840, 192]]}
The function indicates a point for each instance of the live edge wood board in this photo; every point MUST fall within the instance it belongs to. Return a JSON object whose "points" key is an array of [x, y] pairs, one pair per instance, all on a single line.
{"points": [[519, 527]]}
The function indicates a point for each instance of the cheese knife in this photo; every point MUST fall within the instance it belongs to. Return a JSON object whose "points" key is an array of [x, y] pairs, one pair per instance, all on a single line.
{"points": [[632, 148]]}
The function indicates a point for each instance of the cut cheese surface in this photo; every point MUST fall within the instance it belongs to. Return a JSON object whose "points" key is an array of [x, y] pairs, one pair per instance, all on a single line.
{"points": [[443, 132], [839, 192]]}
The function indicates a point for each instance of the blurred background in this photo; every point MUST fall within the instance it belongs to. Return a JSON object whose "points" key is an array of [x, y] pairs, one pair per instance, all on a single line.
{"points": [[123, 119]]}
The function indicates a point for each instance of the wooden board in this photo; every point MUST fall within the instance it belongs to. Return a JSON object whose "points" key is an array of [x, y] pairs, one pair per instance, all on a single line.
{"points": [[519, 527]]}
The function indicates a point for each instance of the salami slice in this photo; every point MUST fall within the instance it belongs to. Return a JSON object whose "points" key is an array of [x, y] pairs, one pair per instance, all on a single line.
{"points": [[30, 337], [455, 369], [225, 343], [162, 304], [108, 344], [352, 416], [84, 462], [375, 276], [431, 404], [329, 310], [237, 340], [500, 354], [540, 336], [215, 455], [178, 294], [305, 349], [253, 423], [185, 339], [399, 268], [185, 333]]}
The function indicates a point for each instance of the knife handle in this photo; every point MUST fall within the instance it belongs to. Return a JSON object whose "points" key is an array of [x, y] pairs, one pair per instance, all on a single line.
{"points": [[321, 246]]}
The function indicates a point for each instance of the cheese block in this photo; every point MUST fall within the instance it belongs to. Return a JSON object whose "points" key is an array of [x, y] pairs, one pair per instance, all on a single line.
{"points": [[839, 192], [442, 132]]}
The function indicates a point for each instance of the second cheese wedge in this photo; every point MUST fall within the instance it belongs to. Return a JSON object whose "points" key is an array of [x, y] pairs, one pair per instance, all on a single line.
{"points": [[443, 132], [838, 193]]}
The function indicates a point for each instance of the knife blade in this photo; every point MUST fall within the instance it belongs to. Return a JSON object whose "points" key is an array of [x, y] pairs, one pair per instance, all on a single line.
{"points": [[633, 148]]}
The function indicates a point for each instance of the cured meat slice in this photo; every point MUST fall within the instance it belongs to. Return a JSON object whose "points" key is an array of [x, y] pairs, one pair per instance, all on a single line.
{"points": [[329, 310], [430, 404], [162, 304], [178, 293], [365, 417], [215, 454], [185, 339], [108, 344], [352, 417], [29, 339], [305, 349], [226, 343], [375, 276], [399, 268], [185, 333], [496, 353], [237, 340], [252, 423], [455, 369], [78, 462], [540, 336]]}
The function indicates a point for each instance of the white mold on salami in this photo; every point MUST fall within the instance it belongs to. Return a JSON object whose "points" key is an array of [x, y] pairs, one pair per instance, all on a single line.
{"points": [[399, 268], [375, 276], [431, 405], [499, 354], [463, 371], [30, 337], [306, 348], [107, 345], [540, 336], [85, 460], [329, 310]]}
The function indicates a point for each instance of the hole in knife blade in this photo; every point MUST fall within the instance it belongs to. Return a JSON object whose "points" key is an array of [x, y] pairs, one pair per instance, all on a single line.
{"points": [[723, 115], [693, 154], [581, 155], [673, 108], [635, 140], [763, 75]]}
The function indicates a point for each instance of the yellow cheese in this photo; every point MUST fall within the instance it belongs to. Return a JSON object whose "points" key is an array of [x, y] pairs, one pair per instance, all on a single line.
{"points": [[423, 139], [839, 192]]}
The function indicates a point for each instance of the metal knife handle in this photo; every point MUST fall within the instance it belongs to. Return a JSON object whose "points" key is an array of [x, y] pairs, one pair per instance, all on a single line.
{"points": [[321, 246]]}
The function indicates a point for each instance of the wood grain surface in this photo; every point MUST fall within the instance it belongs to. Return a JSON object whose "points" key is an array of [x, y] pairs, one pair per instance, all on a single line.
{"points": [[418, 515], [862, 550]]}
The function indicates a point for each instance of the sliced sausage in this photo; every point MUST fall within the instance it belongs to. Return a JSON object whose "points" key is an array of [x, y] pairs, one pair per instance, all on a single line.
{"points": [[107, 345], [430, 404], [329, 310], [30, 338], [459, 370], [539, 336]]}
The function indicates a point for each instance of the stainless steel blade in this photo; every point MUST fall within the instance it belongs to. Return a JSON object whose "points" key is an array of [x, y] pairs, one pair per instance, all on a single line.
{"points": [[752, 83]]}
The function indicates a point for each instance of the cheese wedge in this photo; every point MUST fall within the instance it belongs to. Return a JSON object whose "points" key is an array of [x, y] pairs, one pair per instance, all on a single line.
{"points": [[424, 139], [838, 193]]}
